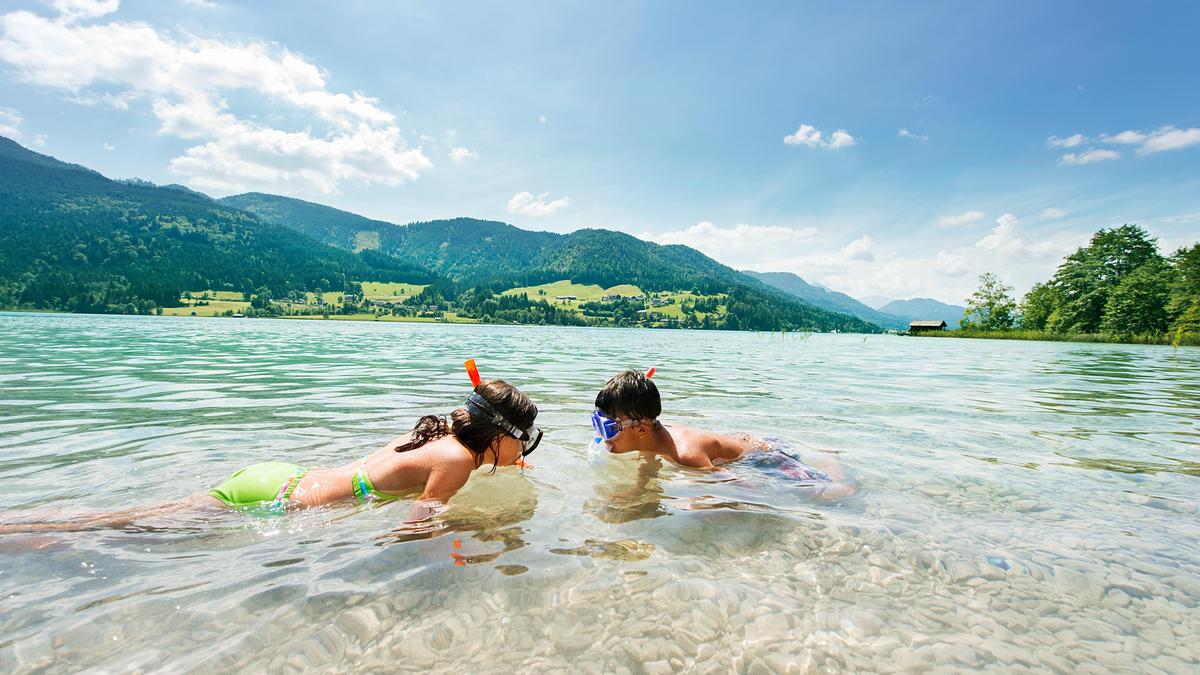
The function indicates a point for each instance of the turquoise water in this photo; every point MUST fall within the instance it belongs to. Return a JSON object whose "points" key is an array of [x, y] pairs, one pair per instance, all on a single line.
{"points": [[1021, 503]]}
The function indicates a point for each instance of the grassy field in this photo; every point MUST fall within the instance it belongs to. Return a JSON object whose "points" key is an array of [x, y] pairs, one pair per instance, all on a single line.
{"points": [[213, 308], [585, 293], [218, 295], [366, 239], [380, 290], [330, 297], [451, 317], [676, 310]]}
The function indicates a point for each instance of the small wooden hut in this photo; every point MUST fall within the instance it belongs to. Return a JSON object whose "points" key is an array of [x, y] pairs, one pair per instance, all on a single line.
{"points": [[925, 326]]}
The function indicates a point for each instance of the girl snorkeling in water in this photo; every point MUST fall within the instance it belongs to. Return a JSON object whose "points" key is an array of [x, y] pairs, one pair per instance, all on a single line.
{"points": [[432, 462]]}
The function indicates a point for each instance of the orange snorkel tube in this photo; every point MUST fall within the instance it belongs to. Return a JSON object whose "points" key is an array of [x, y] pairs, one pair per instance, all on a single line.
{"points": [[473, 372]]}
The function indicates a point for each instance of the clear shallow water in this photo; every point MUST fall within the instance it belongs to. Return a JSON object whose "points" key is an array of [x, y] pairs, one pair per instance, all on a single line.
{"points": [[1021, 504]]}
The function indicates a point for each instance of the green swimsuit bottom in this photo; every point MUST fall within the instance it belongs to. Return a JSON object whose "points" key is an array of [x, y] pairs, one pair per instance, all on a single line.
{"points": [[269, 485]]}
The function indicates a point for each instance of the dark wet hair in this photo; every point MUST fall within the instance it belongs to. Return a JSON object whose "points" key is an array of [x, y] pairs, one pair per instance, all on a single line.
{"points": [[476, 433], [630, 394]]}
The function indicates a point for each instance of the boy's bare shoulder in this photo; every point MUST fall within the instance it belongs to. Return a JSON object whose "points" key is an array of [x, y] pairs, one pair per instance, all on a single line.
{"points": [[701, 448]]}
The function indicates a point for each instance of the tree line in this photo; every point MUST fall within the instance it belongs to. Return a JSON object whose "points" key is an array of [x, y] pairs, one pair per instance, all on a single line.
{"points": [[1118, 287]]}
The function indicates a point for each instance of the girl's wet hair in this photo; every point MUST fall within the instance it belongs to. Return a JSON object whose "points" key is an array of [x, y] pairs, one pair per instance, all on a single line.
{"points": [[477, 434], [630, 394]]}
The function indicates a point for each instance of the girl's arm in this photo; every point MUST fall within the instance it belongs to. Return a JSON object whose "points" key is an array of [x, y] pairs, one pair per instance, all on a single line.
{"points": [[439, 488]]}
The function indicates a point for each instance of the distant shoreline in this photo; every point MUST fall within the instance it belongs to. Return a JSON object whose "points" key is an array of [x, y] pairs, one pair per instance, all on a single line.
{"points": [[1042, 336]]}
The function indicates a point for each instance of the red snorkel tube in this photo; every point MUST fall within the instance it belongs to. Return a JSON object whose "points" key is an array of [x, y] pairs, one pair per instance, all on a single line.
{"points": [[650, 373]]}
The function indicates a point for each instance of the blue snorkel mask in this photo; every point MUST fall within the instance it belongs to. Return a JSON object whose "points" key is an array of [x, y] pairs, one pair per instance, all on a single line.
{"points": [[477, 406], [607, 427]]}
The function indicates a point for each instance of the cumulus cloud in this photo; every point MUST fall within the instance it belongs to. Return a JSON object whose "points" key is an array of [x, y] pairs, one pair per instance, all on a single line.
{"points": [[75, 10], [10, 123], [859, 249], [1052, 213], [1068, 142], [541, 119], [742, 245], [460, 155], [1003, 238], [1089, 157], [860, 268], [840, 139], [809, 135], [905, 133], [526, 204], [185, 81], [965, 218]]}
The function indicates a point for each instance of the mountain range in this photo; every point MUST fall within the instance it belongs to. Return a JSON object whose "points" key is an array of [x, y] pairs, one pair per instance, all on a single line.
{"points": [[72, 239]]}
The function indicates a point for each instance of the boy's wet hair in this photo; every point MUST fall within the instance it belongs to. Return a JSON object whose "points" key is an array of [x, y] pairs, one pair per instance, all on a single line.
{"points": [[630, 394]]}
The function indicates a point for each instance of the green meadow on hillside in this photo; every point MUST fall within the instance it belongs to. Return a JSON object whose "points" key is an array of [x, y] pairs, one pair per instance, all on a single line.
{"points": [[582, 292]]}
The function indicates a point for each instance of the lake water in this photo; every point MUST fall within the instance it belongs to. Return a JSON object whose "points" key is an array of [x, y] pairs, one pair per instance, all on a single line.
{"points": [[1021, 504]]}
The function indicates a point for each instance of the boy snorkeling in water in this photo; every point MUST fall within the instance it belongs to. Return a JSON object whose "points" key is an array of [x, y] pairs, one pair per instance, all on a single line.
{"points": [[626, 420], [494, 425]]}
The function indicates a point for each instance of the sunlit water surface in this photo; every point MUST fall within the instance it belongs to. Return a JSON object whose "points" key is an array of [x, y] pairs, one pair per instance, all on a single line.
{"points": [[1021, 504]]}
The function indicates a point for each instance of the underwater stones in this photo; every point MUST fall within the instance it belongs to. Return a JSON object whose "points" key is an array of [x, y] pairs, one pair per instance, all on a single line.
{"points": [[661, 667], [360, 623], [932, 490], [959, 571], [770, 625], [1025, 505]]}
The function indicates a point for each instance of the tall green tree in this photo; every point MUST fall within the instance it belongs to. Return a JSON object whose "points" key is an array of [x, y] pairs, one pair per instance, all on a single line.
{"points": [[1038, 306], [1087, 277], [1138, 304], [990, 307]]}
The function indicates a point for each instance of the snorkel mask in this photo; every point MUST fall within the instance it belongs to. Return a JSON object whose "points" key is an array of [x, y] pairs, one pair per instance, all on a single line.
{"points": [[607, 427], [477, 406]]}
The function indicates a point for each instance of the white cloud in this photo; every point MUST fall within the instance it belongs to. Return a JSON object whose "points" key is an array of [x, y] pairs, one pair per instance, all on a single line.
{"points": [[75, 10], [1169, 138], [109, 147], [10, 123], [1125, 137], [960, 219], [460, 155], [859, 249], [1003, 238], [541, 119], [809, 135], [840, 139], [951, 264], [739, 246], [1052, 213], [1068, 142], [347, 136], [1161, 139], [526, 204], [945, 272], [1089, 157], [905, 133], [39, 141]]}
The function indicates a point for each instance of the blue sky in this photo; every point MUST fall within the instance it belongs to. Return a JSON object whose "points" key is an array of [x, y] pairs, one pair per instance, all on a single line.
{"points": [[894, 149]]}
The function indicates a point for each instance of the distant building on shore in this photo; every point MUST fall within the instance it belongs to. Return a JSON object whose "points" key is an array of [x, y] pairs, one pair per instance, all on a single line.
{"points": [[926, 326]]}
